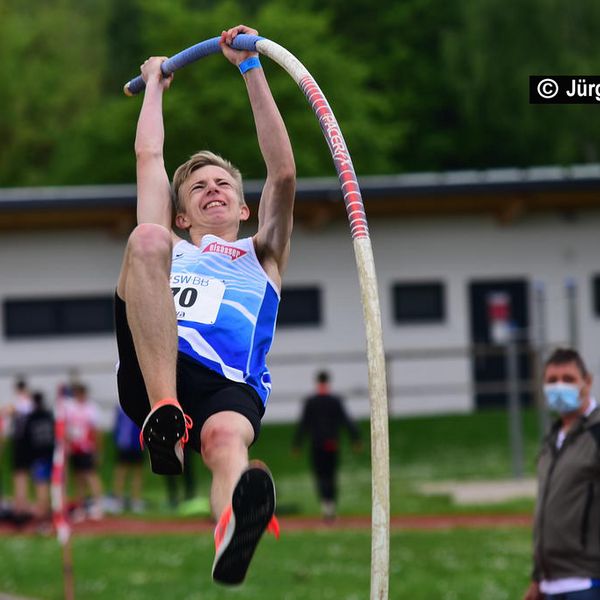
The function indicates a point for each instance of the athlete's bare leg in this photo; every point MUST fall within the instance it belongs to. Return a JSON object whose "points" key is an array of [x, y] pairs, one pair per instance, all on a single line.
{"points": [[21, 491], [144, 286], [225, 439]]}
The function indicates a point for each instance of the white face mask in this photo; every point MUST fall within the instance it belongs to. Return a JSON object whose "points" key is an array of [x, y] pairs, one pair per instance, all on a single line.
{"points": [[562, 397]]}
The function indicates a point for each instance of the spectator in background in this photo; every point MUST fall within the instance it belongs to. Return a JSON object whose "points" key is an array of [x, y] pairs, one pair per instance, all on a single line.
{"points": [[3, 434], [83, 447], [128, 465], [18, 411], [323, 416], [187, 480], [39, 438], [566, 531]]}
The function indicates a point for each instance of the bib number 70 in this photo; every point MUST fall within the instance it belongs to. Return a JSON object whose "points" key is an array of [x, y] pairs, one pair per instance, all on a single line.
{"points": [[198, 299], [187, 297]]}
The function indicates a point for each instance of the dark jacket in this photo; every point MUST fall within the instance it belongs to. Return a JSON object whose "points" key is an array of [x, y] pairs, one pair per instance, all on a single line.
{"points": [[567, 515], [39, 434], [322, 418]]}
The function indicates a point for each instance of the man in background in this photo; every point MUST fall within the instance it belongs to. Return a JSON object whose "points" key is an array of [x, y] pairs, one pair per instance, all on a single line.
{"points": [[566, 533], [323, 417]]}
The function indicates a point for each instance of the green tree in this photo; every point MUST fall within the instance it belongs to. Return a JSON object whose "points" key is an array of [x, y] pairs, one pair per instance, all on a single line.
{"points": [[207, 106], [455, 75], [402, 43], [415, 85], [489, 59], [50, 54]]}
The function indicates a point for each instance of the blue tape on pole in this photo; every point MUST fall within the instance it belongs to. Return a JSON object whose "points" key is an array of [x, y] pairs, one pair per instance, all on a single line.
{"points": [[192, 54]]}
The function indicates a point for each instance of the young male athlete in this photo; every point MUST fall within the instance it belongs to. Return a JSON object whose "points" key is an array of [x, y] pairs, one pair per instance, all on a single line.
{"points": [[195, 319]]}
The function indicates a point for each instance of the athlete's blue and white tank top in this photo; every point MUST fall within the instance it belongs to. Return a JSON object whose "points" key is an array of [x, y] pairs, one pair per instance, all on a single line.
{"points": [[226, 309]]}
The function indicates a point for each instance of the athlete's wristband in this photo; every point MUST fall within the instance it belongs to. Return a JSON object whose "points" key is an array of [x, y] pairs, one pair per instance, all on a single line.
{"points": [[250, 63]]}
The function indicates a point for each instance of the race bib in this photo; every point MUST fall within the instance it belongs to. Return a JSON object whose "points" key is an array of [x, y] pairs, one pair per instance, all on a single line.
{"points": [[197, 297]]}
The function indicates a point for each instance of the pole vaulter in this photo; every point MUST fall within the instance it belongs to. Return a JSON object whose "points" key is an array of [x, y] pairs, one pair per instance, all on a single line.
{"points": [[380, 470]]}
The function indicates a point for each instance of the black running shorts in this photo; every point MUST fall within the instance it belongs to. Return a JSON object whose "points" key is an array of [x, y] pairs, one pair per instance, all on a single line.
{"points": [[201, 391], [129, 457], [82, 462], [21, 459]]}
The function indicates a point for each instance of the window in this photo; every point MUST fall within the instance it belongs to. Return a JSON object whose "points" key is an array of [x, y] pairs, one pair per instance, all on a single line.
{"points": [[418, 302], [596, 294], [300, 307], [58, 316]]}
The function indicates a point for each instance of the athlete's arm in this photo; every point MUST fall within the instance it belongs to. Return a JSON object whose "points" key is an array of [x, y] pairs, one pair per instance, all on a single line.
{"points": [[153, 189], [275, 213]]}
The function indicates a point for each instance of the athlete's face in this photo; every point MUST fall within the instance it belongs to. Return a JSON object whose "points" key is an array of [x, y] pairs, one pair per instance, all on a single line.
{"points": [[211, 199]]}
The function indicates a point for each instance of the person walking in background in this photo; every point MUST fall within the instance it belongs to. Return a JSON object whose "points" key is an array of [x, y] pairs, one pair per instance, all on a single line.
{"points": [[83, 446], [195, 317], [566, 531], [323, 417], [128, 465], [39, 438]]}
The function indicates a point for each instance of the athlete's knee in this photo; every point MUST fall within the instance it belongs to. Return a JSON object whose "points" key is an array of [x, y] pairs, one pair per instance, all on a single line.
{"points": [[218, 442], [149, 242]]}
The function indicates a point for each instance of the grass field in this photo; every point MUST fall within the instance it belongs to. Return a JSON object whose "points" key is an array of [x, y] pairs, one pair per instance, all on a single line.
{"points": [[461, 447], [445, 565]]}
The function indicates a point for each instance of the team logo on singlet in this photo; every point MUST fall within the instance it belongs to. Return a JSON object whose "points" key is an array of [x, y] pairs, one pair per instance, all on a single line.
{"points": [[230, 251]]}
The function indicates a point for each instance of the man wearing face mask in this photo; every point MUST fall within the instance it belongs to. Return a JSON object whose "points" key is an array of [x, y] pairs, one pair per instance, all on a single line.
{"points": [[566, 533]]}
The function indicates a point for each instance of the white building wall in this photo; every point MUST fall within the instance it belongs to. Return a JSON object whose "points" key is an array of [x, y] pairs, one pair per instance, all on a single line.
{"points": [[455, 251], [60, 264]]}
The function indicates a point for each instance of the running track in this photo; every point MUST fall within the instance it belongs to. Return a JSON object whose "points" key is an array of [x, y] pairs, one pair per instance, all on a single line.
{"points": [[139, 526]]}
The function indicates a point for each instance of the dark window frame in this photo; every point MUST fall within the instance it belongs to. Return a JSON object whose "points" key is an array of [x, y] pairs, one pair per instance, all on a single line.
{"points": [[403, 315], [26, 318], [596, 295], [301, 306]]}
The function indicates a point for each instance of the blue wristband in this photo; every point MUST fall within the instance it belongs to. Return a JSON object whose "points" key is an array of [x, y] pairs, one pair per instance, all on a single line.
{"points": [[250, 63]]}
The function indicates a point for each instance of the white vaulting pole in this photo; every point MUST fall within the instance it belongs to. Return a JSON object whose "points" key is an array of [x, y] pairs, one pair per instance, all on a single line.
{"points": [[380, 464], [380, 469]]}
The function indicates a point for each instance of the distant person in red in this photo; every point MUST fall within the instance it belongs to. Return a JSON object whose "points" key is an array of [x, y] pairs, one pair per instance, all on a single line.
{"points": [[83, 446], [323, 417]]}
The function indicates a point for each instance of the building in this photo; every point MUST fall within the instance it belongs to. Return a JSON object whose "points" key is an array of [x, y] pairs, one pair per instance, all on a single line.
{"points": [[443, 242]]}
